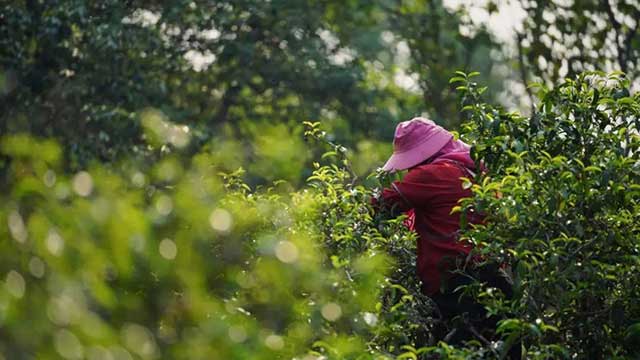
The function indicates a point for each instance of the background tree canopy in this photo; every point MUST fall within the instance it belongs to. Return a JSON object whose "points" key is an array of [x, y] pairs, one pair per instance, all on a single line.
{"points": [[83, 72], [190, 179]]}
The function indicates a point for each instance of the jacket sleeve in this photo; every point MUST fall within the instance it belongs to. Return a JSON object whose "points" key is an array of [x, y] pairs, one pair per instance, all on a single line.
{"points": [[392, 199], [416, 190]]}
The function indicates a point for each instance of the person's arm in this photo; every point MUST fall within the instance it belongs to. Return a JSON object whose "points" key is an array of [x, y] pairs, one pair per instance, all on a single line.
{"points": [[414, 191], [393, 199]]}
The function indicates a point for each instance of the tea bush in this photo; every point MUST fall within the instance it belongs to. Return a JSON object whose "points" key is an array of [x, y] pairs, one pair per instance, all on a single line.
{"points": [[561, 199], [177, 260]]}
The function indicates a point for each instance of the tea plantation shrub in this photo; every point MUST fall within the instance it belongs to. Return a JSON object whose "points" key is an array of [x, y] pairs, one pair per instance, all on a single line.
{"points": [[562, 203], [176, 259]]}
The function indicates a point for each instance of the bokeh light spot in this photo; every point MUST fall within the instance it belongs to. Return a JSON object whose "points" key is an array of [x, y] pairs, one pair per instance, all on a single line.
{"points": [[59, 310], [68, 345], [82, 183], [16, 227], [139, 340], [221, 220], [54, 242], [49, 178], [62, 191], [120, 353], [138, 179], [274, 342], [370, 318], [164, 205], [168, 249], [286, 252], [160, 130], [15, 284], [99, 353], [36, 267], [237, 334], [331, 311]]}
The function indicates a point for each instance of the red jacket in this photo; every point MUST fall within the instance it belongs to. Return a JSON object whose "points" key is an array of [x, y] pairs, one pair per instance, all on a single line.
{"points": [[432, 190]]}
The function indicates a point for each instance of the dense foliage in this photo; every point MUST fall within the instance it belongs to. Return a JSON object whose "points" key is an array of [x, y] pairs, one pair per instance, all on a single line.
{"points": [[564, 38], [176, 260], [194, 179], [181, 261], [566, 215], [82, 72]]}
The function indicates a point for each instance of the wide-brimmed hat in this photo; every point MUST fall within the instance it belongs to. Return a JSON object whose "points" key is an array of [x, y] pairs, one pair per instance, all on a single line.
{"points": [[415, 141]]}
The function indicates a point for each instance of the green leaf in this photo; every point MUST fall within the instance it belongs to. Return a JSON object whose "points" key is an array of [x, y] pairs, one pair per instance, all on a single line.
{"points": [[632, 333], [407, 355]]}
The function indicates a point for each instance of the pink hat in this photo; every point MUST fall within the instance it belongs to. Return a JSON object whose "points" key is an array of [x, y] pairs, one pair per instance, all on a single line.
{"points": [[415, 141]]}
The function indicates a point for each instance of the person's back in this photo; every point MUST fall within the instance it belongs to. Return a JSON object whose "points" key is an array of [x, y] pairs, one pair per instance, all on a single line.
{"points": [[432, 187], [432, 190]]}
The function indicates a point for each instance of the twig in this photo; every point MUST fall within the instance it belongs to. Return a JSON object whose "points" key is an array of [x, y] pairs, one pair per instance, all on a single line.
{"points": [[486, 342], [448, 337]]}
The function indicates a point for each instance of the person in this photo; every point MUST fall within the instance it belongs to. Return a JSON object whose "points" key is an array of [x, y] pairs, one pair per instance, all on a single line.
{"points": [[436, 164]]}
